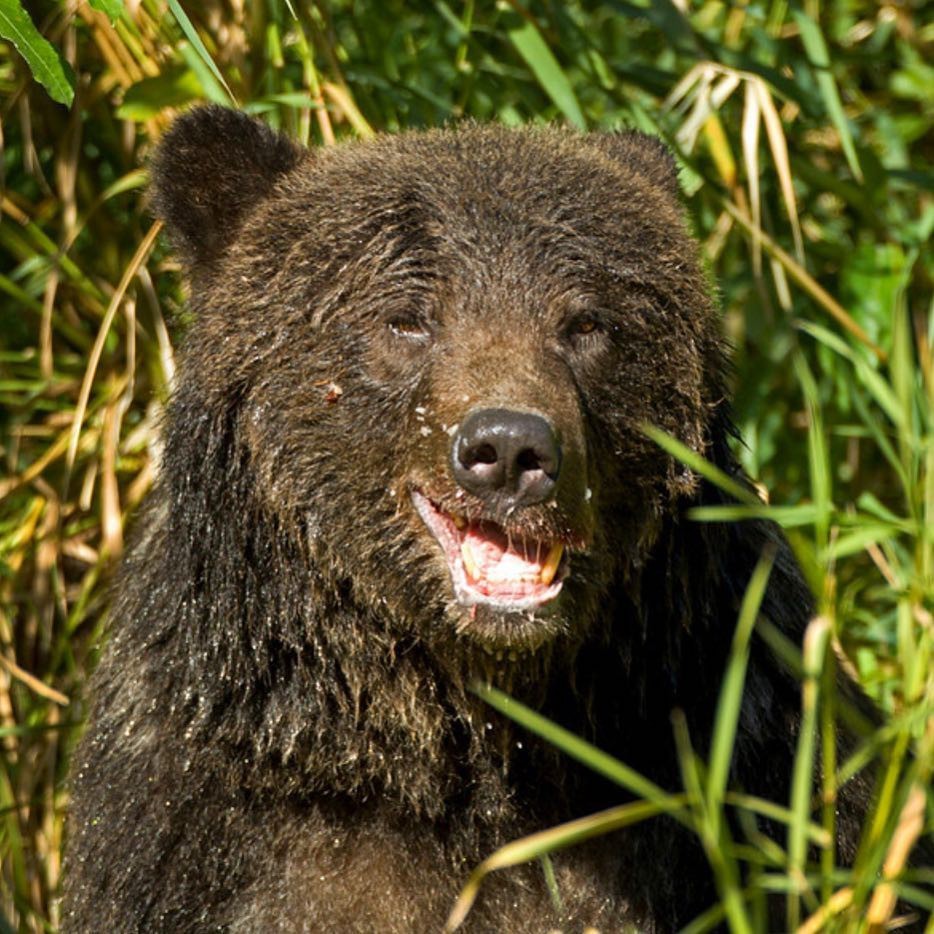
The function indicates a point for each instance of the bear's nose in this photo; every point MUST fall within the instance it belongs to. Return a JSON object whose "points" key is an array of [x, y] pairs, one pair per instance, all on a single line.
{"points": [[514, 455]]}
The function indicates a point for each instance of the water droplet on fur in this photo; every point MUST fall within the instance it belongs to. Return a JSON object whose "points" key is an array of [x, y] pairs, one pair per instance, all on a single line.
{"points": [[588, 494], [488, 725], [424, 431], [420, 409]]}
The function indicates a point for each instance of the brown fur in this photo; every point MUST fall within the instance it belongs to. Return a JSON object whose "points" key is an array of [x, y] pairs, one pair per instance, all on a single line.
{"points": [[284, 737]]}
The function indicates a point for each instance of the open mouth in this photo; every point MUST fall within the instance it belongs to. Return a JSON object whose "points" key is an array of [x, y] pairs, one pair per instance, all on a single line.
{"points": [[489, 567]]}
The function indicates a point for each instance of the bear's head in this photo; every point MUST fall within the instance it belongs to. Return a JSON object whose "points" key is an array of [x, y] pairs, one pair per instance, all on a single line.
{"points": [[427, 360]]}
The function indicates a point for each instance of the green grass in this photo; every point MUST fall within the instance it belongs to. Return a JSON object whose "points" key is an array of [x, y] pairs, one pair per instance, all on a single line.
{"points": [[803, 132]]}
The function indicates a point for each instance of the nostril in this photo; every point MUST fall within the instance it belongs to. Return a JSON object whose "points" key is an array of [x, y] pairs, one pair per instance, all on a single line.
{"points": [[528, 460], [479, 454]]}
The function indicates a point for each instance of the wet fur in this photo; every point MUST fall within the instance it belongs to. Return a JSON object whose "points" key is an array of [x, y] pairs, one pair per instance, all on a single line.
{"points": [[283, 736]]}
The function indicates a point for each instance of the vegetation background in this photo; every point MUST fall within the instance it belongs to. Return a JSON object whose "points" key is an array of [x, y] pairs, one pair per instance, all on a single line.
{"points": [[804, 132]]}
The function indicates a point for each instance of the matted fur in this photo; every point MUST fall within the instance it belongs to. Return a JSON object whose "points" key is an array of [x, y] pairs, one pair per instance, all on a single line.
{"points": [[283, 736]]}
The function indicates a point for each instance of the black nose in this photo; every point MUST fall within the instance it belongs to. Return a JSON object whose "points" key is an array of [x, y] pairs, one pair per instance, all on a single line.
{"points": [[514, 455]]}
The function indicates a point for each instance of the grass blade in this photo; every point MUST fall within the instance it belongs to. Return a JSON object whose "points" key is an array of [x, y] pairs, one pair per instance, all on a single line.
{"points": [[141, 253], [579, 749], [750, 135], [529, 43], [547, 841], [779, 146], [713, 831], [192, 35], [816, 640], [701, 465], [818, 458], [816, 49], [734, 678]]}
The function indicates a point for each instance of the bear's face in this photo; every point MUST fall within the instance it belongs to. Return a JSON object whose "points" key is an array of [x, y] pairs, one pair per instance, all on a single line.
{"points": [[438, 351]]}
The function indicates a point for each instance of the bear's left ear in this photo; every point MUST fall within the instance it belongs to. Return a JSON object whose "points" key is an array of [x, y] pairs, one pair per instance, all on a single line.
{"points": [[642, 153], [209, 170]]}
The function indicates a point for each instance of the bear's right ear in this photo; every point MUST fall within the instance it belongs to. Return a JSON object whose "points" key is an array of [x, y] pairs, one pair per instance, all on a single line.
{"points": [[211, 167], [642, 153]]}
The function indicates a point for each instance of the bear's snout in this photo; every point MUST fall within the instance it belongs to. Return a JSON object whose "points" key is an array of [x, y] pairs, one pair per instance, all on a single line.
{"points": [[511, 456]]}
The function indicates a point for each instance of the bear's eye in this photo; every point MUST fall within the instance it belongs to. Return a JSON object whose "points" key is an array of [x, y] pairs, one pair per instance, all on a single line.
{"points": [[583, 330], [410, 328]]}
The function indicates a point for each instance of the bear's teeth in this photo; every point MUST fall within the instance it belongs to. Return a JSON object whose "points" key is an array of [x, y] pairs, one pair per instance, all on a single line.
{"points": [[459, 522], [550, 567], [470, 562]]}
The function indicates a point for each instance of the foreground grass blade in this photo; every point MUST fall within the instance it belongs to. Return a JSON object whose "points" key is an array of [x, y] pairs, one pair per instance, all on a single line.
{"points": [[713, 831], [579, 749], [701, 465], [816, 640], [910, 826], [547, 841], [734, 678]]}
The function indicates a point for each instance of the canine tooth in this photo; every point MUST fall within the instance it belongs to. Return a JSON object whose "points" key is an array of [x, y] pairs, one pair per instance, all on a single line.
{"points": [[459, 521], [470, 562], [550, 567]]}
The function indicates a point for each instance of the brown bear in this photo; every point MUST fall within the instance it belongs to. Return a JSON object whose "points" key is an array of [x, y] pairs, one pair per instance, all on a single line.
{"points": [[405, 453]]}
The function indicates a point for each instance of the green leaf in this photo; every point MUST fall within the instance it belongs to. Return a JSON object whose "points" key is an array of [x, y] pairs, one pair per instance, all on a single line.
{"points": [[880, 390], [47, 67], [531, 46], [873, 279], [112, 9], [149, 97]]}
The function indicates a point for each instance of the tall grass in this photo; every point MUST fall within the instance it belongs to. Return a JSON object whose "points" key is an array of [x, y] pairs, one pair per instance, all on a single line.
{"points": [[804, 138]]}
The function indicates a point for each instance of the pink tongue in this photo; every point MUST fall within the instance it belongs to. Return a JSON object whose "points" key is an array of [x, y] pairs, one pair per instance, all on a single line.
{"points": [[500, 560]]}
